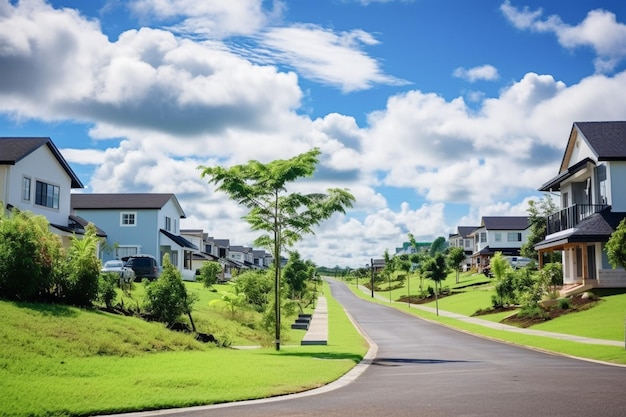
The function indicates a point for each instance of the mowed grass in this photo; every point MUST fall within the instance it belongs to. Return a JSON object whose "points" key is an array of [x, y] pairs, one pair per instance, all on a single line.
{"points": [[64, 361], [606, 320]]}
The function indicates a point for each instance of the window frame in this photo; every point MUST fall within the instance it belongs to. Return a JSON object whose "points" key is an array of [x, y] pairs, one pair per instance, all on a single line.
{"points": [[27, 190], [42, 198], [128, 214]]}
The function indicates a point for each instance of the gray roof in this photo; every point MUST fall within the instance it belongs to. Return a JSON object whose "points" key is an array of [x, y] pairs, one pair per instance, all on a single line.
{"points": [[505, 222], [465, 231], [179, 240], [123, 201], [606, 139], [12, 150], [596, 228]]}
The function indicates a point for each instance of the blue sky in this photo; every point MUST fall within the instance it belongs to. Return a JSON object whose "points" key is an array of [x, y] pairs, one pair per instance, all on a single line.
{"points": [[432, 113]]}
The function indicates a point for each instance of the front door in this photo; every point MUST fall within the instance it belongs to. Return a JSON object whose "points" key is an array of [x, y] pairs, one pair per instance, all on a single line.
{"points": [[591, 261]]}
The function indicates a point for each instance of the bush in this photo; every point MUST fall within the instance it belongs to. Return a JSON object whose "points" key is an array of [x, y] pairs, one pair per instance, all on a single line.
{"points": [[208, 273], [80, 286], [167, 298], [533, 313], [257, 287], [564, 303], [107, 283], [30, 256]]}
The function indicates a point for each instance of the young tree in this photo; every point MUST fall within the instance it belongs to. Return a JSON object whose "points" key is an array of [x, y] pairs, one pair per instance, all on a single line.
{"points": [[616, 246], [167, 298], [296, 274], [435, 268], [456, 255], [538, 213], [286, 217], [417, 258]]}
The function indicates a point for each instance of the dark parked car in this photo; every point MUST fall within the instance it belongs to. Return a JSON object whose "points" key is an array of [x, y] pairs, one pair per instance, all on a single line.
{"points": [[144, 266]]}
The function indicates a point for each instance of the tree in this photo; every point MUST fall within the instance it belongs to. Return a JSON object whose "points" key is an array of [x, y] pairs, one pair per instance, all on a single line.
{"points": [[616, 246], [456, 255], [435, 268], [296, 274], [538, 216], [286, 217], [438, 246], [505, 287], [417, 258]]}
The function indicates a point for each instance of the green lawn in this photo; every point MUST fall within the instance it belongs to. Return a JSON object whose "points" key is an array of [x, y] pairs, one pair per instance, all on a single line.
{"points": [[604, 321], [58, 360]]}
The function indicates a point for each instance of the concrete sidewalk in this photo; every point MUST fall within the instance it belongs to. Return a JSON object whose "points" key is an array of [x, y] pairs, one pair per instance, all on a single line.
{"points": [[317, 334], [505, 327]]}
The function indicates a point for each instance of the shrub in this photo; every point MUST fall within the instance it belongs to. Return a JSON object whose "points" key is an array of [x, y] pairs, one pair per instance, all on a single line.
{"points": [[208, 273], [30, 256], [533, 312], [80, 286], [564, 303], [257, 287], [106, 288], [167, 298]]}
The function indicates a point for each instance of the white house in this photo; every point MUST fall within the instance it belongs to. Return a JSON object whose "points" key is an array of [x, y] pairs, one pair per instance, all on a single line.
{"points": [[35, 177], [590, 181], [504, 234]]}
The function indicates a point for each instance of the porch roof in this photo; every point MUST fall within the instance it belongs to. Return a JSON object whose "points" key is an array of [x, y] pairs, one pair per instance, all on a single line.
{"points": [[555, 183]]}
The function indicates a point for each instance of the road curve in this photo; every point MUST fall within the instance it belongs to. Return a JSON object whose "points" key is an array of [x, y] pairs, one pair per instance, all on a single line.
{"points": [[423, 369]]}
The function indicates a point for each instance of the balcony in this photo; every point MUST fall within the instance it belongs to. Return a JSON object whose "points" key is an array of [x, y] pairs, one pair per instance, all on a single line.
{"points": [[568, 218]]}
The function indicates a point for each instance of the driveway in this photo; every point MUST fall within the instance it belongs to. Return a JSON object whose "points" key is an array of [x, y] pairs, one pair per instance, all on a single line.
{"points": [[423, 369]]}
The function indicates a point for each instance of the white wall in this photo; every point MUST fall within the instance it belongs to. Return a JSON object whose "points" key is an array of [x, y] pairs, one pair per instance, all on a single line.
{"points": [[41, 165]]}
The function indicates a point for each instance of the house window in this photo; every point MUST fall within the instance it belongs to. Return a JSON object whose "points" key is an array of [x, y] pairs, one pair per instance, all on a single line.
{"points": [[25, 188], [128, 219], [126, 251], [168, 224], [47, 195], [513, 237], [174, 258], [483, 236], [187, 261], [498, 237]]}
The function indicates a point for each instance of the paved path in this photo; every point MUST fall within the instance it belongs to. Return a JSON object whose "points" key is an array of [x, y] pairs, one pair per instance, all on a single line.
{"points": [[317, 333], [505, 327]]}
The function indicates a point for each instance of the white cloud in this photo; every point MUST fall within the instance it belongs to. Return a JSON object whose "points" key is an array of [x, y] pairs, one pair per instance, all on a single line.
{"points": [[166, 105], [327, 57], [483, 72], [215, 19], [599, 30]]}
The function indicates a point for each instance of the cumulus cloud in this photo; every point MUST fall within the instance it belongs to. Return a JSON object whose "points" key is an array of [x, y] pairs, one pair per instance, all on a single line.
{"points": [[164, 104], [215, 19], [483, 72], [599, 31]]}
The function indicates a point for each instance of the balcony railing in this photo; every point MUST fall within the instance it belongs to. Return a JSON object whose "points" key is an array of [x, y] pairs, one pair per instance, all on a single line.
{"points": [[571, 216]]}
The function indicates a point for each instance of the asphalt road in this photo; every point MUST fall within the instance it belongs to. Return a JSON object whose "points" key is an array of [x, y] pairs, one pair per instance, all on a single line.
{"points": [[423, 369]]}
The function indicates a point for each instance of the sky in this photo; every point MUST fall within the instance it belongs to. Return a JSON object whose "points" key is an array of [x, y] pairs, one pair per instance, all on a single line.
{"points": [[432, 113]]}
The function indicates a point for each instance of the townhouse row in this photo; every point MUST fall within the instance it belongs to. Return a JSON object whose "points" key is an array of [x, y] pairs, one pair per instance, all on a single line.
{"points": [[35, 177]]}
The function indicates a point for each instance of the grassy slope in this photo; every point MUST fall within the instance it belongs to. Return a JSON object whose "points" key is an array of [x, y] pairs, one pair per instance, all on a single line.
{"points": [[58, 360]]}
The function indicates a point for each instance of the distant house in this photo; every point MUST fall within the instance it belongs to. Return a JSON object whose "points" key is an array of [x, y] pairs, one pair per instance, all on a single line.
{"points": [[590, 181], [139, 223], [504, 234], [408, 249], [462, 239], [35, 177]]}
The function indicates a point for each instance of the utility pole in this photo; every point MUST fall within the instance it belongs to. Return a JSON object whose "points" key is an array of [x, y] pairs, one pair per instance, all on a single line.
{"points": [[372, 275]]}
